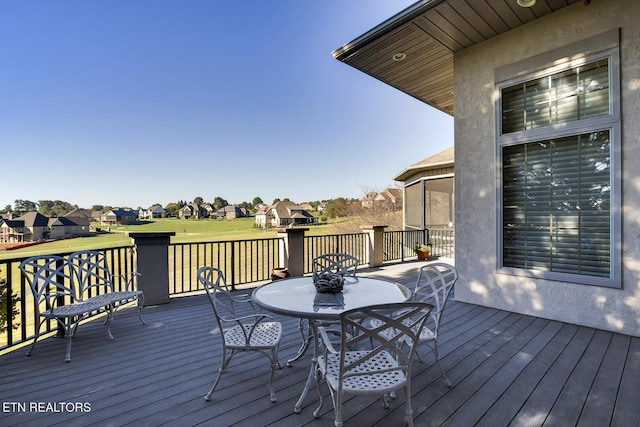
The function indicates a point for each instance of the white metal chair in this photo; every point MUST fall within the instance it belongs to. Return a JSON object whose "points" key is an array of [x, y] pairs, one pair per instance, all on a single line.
{"points": [[380, 370], [435, 283], [342, 263], [96, 281], [239, 333]]}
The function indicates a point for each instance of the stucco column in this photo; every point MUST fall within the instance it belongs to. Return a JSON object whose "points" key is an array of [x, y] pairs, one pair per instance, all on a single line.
{"points": [[376, 243], [152, 262], [292, 250]]}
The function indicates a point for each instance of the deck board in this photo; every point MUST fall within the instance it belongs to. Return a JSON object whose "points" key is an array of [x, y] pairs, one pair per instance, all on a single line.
{"points": [[506, 369]]}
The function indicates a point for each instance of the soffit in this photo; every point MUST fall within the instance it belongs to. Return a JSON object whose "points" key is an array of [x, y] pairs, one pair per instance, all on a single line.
{"points": [[429, 33]]}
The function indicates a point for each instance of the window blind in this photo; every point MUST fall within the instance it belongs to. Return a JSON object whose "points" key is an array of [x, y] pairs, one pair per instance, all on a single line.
{"points": [[557, 205], [570, 95]]}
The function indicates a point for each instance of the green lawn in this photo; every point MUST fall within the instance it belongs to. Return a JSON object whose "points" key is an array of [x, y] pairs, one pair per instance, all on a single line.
{"points": [[186, 231]]}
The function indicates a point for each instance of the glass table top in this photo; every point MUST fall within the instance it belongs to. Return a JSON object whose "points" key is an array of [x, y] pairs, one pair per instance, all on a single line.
{"points": [[297, 297]]}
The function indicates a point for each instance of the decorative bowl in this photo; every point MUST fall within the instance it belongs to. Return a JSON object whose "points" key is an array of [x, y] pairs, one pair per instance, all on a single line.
{"points": [[328, 283]]}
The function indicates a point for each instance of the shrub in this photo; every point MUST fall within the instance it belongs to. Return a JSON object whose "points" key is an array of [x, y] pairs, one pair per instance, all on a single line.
{"points": [[4, 304]]}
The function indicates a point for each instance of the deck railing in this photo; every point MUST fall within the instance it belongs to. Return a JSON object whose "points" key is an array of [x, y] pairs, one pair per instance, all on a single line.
{"points": [[398, 245], [242, 261], [442, 242], [352, 244]]}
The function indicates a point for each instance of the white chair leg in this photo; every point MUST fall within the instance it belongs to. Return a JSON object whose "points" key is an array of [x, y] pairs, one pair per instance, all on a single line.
{"points": [[437, 356], [408, 409], [221, 370], [207, 397]]}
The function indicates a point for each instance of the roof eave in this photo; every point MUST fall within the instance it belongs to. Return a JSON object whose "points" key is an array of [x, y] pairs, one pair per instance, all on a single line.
{"points": [[383, 28]]}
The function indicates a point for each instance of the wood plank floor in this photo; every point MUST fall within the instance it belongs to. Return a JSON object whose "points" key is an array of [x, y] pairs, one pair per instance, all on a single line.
{"points": [[506, 369]]}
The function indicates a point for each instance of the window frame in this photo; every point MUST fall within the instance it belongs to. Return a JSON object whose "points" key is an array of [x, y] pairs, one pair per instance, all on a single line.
{"points": [[546, 65]]}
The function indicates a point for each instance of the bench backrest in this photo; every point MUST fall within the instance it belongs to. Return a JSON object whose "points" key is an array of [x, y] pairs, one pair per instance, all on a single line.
{"points": [[92, 274], [51, 280]]}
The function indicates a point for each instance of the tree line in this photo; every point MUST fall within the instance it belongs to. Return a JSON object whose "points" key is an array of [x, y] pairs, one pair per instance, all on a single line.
{"points": [[334, 208]]}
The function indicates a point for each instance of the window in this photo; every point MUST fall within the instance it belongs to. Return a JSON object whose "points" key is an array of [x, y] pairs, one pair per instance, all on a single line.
{"points": [[558, 139], [566, 96], [438, 204], [428, 203], [413, 206]]}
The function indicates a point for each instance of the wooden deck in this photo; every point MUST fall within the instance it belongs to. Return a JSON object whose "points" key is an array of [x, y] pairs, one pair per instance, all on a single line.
{"points": [[506, 369]]}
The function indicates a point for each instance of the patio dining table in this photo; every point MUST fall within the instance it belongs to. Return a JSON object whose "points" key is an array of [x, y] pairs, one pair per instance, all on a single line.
{"points": [[297, 297]]}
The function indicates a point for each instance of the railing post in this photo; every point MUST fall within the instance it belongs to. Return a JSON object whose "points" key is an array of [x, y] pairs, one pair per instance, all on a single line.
{"points": [[152, 262], [376, 244], [292, 250]]}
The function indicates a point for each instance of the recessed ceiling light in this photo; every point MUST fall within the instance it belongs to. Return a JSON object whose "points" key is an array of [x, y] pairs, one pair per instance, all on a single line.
{"points": [[399, 56], [526, 3]]}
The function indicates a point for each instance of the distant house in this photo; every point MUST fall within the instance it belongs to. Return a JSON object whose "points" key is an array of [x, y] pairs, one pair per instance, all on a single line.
{"points": [[367, 200], [82, 217], [389, 197], [209, 208], [283, 214], [306, 206], [63, 227], [119, 216], [193, 210], [232, 212], [32, 227], [155, 211]]}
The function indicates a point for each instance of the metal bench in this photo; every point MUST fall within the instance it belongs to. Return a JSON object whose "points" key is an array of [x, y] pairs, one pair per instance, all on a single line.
{"points": [[69, 290]]}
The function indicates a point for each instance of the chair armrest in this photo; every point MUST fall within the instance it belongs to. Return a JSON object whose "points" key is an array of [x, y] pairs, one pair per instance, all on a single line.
{"points": [[244, 299], [326, 341], [256, 319], [127, 279]]}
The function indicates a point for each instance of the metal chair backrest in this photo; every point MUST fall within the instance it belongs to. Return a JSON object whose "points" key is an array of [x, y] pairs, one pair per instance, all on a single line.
{"points": [[335, 263], [222, 302], [395, 324], [435, 283]]}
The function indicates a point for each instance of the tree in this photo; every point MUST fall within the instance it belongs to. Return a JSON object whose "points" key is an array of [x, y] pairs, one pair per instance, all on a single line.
{"points": [[173, 208], [198, 200], [7, 209], [276, 200], [256, 201], [24, 206], [55, 208], [219, 202], [337, 208], [97, 208]]}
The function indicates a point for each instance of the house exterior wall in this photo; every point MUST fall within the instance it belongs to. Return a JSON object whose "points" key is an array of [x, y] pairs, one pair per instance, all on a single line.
{"points": [[477, 216]]}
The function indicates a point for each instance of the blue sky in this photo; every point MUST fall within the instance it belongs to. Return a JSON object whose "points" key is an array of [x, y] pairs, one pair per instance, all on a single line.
{"points": [[135, 102]]}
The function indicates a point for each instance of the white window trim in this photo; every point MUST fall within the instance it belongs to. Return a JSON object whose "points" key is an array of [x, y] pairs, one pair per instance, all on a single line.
{"points": [[547, 64]]}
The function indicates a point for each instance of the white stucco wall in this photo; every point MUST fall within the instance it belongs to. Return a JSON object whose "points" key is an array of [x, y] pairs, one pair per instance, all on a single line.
{"points": [[475, 185]]}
